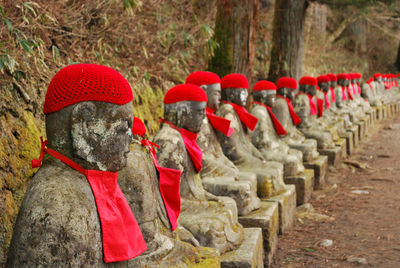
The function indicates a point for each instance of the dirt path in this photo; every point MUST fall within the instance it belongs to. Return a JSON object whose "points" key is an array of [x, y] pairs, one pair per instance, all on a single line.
{"points": [[364, 228]]}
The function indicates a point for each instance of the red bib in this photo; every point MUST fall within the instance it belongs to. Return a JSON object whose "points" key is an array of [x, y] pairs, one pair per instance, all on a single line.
{"points": [[249, 120], [168, 181], [122, 238], [344, 94], [320, 103], [313, 106], [219, 123], [333, 96], [349, 92], [193, 149], [279, 129], [295, 118], [327, 102]]}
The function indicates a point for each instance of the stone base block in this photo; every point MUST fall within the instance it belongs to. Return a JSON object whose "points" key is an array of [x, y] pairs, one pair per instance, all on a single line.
{"points": [[320, 167], [342, 143], [355, 129], [334, 155], [250, 254], [287, 208], [385, 111], [349, 142], [379, 113], [361, 129], [304, 183], [267, 218]]}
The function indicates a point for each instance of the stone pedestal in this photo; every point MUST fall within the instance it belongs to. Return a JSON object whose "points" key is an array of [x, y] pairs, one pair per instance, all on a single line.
{"points": [[385, 111], [361, 129], [287, 208], [379, 112], [304, 183], [250, 254], [349, 142], [334, 155], [320, 167], [267, 218], [343, 145], [355, 130]]}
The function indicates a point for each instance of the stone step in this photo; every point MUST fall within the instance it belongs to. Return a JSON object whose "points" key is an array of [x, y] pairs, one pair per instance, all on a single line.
{"points": [[320, 167], [349, 142], [355, 130], [287, 208], [361, 129], [304, 183], [250, 254], [267, 218], [334, 155]]}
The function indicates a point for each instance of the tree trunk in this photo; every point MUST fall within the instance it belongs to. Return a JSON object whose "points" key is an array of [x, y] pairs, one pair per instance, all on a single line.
{"points": [[397, 64], [235, 32], [287, 47]]}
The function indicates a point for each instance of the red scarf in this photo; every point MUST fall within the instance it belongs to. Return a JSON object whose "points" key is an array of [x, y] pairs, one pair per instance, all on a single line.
{"points": [[327, 102], [169, 181], [219, 123], [333, 96], [349, 92], [279, 129], [189, 139], [295, 118], [249, 120], [313, 106], [358, 88], [354, 89], [122, 238], [320, 103], [344, 94]]}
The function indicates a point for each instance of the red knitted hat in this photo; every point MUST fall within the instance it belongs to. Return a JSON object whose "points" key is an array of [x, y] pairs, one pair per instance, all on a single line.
{"points": [[342, 76], [86, 82], [203, 78], [234, 81], [287, 82], [323, 79], [185, 92], [138, 128], [308, 80], [357, 75], [377, 75], [332, 77], [264, 85]]}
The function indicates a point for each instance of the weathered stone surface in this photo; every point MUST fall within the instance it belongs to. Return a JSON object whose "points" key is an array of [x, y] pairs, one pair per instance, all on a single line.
{"points": [[334, 155], [354, 130], [343, 145], [250, 254], [349, 142], [320, 167], [287, 208], [304, 183], [267, 218]]}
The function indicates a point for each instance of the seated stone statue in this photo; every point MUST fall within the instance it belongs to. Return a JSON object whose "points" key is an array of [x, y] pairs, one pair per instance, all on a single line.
{"points": [[368, 92], [355, 85], [383, 89], [284, 111], [305, 106], [266, 135], [220, 176], [74, 213], [153, 194], [238, 147], [211, 219], [345, 100]]}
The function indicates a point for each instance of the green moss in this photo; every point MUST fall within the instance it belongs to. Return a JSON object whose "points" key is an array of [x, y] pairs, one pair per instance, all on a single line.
{"points": [[209, 258]]}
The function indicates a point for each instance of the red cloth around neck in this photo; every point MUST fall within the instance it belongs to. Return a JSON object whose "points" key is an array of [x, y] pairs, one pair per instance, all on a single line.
{"points": [[219, 123], [333, 95], [344, 94], [279, 129], [327, 102], [349, 92], [122, 238], [249, 120], [313, 106], [320, 103], [193, 149], [168, 181], [295, 118]]}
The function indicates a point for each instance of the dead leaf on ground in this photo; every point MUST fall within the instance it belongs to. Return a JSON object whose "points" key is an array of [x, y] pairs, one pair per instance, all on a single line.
{"points": [[356, 164]]}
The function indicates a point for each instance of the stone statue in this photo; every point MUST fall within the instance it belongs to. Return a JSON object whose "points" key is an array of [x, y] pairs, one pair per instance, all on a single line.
{"points": [[284, 111], [238, 147], [345, 100], [305, 105], [266, 136], [65, 216], [211, 219], [220, 176]]}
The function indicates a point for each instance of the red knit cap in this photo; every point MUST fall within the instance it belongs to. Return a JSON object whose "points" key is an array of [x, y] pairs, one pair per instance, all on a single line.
{"points": [[203, 78], [357, 75], [264, 85], [323, 79], [185, 92], [287, 82], [377, 75], [86, 82], [332, 77], [138, 128], [342, 76], [234, 81], [308, 80]]}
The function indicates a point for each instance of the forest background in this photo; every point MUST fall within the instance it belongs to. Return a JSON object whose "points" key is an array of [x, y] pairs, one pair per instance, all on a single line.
{"points": [[155, 44]]}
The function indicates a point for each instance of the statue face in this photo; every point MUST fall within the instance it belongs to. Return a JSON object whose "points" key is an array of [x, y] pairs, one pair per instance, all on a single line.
{"points": [[192, 116], [213, 95], [324, 86], [311, 90], [101, 134], [236, 95], [333, 84], [287, 93], [267, 97]]}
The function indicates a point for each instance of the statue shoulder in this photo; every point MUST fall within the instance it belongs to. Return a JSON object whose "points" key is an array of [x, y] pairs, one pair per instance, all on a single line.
{"points": [[301, 99], [259, 111]]}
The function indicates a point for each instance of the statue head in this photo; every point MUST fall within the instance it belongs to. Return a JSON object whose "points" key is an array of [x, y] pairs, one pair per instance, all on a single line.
{"points": [[324, 82], [89, 115], [265, 92], [333, 80], [235, 89], [210, 83], [286, 87], [343, 80], [378, 77], [308, 85], [184, 106]]}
